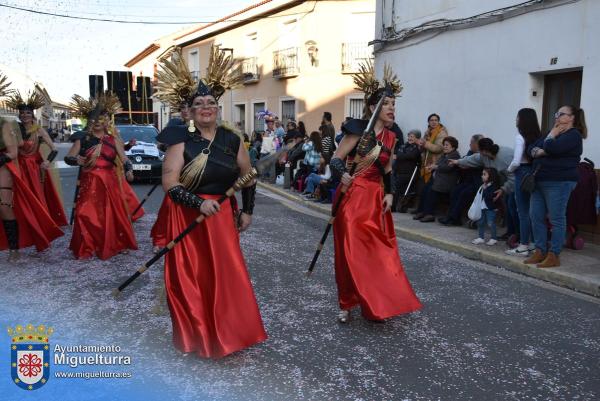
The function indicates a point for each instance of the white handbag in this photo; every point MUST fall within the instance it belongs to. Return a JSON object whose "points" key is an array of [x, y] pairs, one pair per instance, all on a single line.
{"points": [[474, 213]]}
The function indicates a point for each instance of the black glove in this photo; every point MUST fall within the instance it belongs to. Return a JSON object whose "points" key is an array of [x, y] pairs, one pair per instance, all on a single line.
{"points": [[184, 197], [337, 167], [248, 196], [388, 183], [71, 160], [52, 155], [4, 158], [127, 166]]}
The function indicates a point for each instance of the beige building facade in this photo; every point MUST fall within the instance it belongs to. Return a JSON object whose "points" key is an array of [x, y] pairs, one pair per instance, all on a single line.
{"points": [[296, 56]]}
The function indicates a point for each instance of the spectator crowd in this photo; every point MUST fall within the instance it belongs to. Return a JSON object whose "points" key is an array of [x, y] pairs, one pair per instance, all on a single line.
{"points": [[527, 188]]}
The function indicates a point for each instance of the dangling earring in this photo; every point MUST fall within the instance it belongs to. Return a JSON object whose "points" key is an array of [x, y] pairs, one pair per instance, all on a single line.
{"points": [[191, 127]]}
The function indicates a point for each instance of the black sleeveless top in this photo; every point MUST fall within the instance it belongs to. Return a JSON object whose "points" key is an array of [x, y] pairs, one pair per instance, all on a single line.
{"points": [[221, 169]]}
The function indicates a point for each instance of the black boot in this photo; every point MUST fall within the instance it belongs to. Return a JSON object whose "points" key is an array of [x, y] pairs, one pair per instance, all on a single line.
{"points": [[11, 229]]}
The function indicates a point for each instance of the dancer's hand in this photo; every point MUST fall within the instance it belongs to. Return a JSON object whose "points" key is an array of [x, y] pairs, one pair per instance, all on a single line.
{"points": [[81, 160], [210, 207], [347, 179], [129, 176], [45, 165], [388, 199], [244, 221]]}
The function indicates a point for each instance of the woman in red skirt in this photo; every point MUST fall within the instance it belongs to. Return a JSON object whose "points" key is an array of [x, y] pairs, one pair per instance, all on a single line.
{"points": [[34, 169], [25, 221], [209, 293], [102, 224], [174, 84], [368, 269]]}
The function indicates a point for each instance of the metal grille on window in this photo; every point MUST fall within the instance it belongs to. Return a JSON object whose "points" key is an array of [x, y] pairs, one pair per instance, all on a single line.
{"points": [[356, 108], [259, 124], [288, 111]]}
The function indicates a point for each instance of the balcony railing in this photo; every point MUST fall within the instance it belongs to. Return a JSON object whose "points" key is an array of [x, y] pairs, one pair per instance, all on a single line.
{"points": [[353, 54], [285, 63], [195, 75], [250, 70]]}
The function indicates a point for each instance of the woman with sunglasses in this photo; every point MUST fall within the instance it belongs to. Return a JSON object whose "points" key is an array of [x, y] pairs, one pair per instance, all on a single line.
{"points": [[102, 226], [555, 157]]}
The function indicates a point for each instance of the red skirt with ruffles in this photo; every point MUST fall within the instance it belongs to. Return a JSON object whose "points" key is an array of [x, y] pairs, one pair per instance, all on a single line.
{"points": [[36, 227], [368, 270], [102, 226], [210, 296]]}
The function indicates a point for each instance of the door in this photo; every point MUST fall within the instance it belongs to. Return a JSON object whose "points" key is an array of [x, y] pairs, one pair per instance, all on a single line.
{"points": [[560, 90]]}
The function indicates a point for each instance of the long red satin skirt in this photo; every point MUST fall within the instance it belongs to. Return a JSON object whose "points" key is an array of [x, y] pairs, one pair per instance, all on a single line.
{"points": [[132, 200], [159, 229], [212, 304], [102, 225], [36, 227], [368, 269], [43, 189]]}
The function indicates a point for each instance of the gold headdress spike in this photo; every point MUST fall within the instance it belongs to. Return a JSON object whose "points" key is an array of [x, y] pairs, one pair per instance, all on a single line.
{"points": [[4, 85], [366, 82], [81, 107], [222, 73], [175, 83], [34, 101], [109, 103]]}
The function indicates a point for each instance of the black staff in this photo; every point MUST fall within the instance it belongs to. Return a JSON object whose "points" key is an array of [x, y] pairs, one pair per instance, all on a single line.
{"points": [[239, 184], [75, 197], [145, 198], [363, 149]]}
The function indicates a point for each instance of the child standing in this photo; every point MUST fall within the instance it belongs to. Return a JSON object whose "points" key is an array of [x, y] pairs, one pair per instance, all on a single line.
{"points": [[491, 183]]}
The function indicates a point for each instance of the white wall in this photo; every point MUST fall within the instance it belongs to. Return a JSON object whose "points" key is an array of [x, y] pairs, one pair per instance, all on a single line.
{"points": [[478, 78]]}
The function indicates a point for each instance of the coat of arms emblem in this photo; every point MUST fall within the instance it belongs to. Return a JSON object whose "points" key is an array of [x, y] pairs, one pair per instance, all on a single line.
{"points": [[30, 355]]}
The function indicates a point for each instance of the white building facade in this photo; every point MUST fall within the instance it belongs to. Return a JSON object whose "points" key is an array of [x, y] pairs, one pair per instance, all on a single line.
{"points": [[476, 63]]}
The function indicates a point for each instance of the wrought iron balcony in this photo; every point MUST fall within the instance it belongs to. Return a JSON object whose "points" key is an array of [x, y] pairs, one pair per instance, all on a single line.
{"points": [[353, 54], [285, 63], [250, 70]]}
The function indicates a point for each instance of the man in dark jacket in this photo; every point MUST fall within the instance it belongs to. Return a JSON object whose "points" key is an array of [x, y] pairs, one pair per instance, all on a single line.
{"points": [[408, 158]]}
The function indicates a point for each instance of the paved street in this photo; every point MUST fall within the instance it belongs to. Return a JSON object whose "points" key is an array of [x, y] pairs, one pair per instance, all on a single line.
{"points": [[484, 334]]}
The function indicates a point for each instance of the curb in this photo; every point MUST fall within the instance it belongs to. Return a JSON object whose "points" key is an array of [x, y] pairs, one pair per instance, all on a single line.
{"points": [[506, 262]]}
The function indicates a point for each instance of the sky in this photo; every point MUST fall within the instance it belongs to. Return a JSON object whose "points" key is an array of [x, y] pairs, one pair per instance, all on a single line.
{"points": [[61, 52]]}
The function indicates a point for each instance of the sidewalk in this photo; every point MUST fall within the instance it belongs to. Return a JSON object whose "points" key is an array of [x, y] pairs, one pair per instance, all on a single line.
{"points": [[579, 270]]}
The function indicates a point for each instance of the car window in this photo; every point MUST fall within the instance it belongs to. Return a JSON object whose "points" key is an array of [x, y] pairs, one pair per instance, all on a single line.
{"points": [[141, 134]]}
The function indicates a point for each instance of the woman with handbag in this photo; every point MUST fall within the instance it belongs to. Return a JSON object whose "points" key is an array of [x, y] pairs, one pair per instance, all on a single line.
{"points": [[529, 132], [555, 157]]}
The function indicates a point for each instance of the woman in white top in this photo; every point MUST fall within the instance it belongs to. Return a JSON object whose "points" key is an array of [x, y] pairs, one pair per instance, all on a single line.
{"points": [[529, 132]]}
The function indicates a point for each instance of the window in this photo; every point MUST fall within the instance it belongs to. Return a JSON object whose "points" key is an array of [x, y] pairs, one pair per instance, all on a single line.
{"points": [[356, 108], [259, 125], [288, 111], [194, 64], [240, 117], [251, 45], [288, 35]]}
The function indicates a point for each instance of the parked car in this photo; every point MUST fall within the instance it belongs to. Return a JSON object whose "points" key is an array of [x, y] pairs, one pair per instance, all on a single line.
{"points": [[145, 156]]}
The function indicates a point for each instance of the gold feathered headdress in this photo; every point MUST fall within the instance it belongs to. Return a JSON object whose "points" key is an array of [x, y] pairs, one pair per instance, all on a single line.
{"points": [[175, 83], [105, 103], [222, 74], [34, 101], [4, 85], [373, 89]]}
